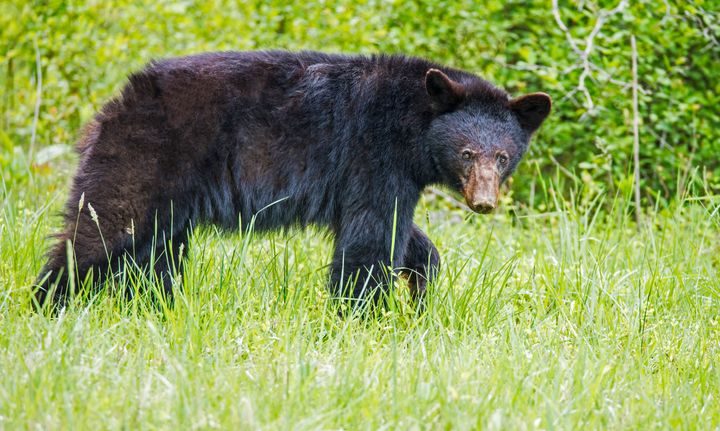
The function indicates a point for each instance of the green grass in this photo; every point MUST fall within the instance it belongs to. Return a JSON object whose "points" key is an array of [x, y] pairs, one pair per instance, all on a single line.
{"points": [[566, 318]]}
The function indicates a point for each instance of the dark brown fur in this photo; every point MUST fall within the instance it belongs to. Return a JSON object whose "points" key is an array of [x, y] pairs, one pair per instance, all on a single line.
{"points": [[283, 139]]}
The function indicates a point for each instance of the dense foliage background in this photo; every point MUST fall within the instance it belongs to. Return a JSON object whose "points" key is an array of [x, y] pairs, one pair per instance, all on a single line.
{"points": [[60, 60]]}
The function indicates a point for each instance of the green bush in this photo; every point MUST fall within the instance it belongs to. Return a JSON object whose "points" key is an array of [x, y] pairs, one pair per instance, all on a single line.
{"points": [[85, 49]]}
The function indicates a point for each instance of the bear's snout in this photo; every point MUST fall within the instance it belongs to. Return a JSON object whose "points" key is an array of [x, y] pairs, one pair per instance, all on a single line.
{"points": [[483, 206], [481, 189]]}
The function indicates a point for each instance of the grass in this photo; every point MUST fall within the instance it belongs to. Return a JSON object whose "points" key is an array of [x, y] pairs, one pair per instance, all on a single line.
{"points": [[562, 319]]}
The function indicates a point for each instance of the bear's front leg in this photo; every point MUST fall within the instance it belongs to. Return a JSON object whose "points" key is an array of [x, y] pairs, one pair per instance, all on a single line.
{"points": [[420, 264], [366, 251]]}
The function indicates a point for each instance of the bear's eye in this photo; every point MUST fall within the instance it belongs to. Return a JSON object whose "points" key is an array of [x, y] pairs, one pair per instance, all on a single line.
{"points": [[467, 155], [502, 159]]}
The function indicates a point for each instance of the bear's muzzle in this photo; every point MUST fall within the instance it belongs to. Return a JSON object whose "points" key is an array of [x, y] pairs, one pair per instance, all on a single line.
{"points": [[481, 188]]}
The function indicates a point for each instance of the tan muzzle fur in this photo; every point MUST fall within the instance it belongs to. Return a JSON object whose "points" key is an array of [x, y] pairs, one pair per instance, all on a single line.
{"points": [[481, 188]]}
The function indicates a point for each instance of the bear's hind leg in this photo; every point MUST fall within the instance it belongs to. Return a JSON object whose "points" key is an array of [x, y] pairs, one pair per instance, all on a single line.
{"points": [[86, 247], [101, 248]]}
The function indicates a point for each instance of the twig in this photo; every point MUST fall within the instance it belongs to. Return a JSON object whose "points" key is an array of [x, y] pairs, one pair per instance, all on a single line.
{"points": [[636, 130]]}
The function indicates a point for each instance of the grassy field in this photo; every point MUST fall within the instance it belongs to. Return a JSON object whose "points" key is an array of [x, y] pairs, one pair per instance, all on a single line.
{"points": [[566, 318], [556, 312]]}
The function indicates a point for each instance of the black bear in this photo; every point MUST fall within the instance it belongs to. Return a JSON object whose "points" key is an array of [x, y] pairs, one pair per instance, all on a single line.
{"points": [[286, 139]]}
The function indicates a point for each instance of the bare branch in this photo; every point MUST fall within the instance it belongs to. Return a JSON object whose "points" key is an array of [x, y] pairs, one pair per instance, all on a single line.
{"points": [[589, 43]]}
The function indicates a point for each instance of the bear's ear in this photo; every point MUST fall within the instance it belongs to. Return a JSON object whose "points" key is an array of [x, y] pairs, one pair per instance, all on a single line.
{"points": [[531, 110], [444, 92]]}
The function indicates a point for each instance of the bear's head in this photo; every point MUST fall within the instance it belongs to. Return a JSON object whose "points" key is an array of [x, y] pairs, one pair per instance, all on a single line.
{"points": [[478, 137]]}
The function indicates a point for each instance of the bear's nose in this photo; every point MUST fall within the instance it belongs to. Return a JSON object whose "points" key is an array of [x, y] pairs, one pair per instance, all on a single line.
{"points": [[483, 206]]}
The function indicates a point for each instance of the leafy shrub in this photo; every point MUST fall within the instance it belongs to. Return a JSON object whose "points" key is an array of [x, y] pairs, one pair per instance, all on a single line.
{"points": [[84, 50]]}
